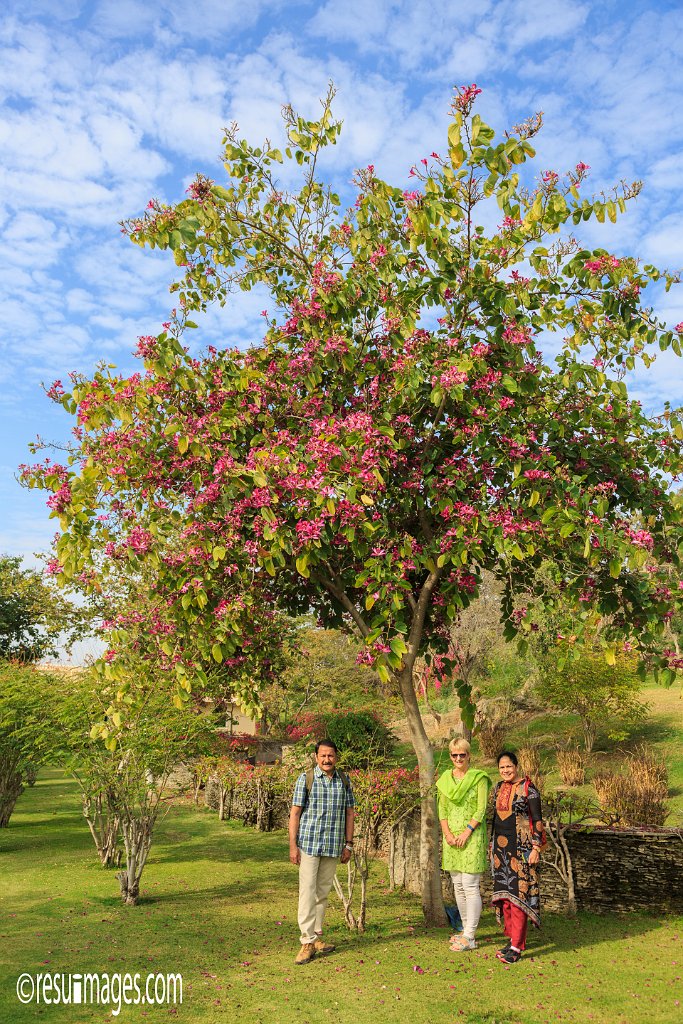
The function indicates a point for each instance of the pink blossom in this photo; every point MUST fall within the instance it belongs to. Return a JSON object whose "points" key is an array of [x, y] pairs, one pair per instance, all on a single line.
{"points": [[602, 265], [147, 347], [56, 391], [466, 97], [60, 500], [451, 377], [641, 538]]}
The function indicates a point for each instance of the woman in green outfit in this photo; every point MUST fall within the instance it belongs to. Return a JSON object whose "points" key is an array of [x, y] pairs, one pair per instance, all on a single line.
{"points": [[463, 794]]}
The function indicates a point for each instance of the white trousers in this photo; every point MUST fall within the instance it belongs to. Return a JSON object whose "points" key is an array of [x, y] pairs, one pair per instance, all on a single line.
{"points": [[468, 898], [316, 876]]}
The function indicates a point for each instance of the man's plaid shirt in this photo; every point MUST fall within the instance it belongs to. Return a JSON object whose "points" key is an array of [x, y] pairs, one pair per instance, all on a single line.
{"points": [[322, 823]]}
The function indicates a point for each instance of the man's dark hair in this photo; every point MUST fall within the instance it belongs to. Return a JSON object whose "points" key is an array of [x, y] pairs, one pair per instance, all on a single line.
{"points": [[326, 743], [507, 753]]}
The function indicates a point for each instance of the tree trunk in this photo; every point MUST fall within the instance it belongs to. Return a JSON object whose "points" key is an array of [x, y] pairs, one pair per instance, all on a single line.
{"points": [[347, 898], [104, 828], [430, 868], [589, 734], [11, 788], [392, 857], [362, 912], [137, 840]]}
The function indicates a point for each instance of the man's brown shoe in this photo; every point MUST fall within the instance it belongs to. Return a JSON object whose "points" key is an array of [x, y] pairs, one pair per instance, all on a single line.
{"points": [[306, 953], [323, 948]]}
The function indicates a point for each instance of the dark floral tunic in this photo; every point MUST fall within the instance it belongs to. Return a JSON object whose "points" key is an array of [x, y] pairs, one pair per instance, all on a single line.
{"points": [[517, 808]]}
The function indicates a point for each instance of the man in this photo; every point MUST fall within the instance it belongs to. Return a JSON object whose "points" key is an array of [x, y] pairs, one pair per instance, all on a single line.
{"points": [[320, 834]]}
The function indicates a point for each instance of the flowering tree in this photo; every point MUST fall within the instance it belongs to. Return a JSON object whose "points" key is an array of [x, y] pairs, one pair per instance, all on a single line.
{"points": [[397, 431]]}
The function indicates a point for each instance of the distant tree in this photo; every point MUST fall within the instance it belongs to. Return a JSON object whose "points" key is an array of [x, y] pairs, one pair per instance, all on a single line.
{"points": [[601, 695], [123, 768], [322, 674], [36, 618], [26, 737]]}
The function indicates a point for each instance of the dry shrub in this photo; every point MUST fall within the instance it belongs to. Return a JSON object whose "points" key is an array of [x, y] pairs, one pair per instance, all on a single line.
{"points": [[491, 728], [530, 763], [571, 765], [639, 796], [491, 736]]}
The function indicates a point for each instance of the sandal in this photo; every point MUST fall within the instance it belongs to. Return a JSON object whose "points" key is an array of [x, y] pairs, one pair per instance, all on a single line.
{"points": [[459, 944], [509, 956]]}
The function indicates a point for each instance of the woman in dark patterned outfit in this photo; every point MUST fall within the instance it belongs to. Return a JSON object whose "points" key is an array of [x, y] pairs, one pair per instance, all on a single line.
{"points": [[516, 839]]}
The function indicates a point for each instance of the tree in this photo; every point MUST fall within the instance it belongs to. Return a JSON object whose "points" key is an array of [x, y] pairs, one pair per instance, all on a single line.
{"points": [[397, 431], [600, 694], [35, 618], [322, 673], [26, 738], [125, 783]]}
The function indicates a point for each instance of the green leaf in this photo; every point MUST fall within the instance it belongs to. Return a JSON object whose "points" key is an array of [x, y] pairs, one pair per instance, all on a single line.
{"points": [[183, 444], [615, 568], [302, 566], [217, 653]]}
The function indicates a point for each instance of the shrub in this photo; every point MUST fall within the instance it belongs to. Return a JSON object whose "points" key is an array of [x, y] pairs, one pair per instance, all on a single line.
{"points": [[571, 765], [530, 763], [491, 726], [639, 796], [361, 736], [308, 726]]}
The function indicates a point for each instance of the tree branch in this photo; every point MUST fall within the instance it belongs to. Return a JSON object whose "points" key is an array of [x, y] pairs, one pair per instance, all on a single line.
{"points": [[337, 591]]}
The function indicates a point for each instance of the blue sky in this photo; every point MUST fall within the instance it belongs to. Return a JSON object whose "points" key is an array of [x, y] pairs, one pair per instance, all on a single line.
{"points": [[106, 103]]}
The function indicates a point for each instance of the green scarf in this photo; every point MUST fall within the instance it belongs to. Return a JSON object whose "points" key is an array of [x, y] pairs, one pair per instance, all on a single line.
{"points": [[458, 790]]}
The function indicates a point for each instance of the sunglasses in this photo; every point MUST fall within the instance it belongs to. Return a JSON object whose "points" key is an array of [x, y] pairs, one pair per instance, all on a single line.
{"points": [[459, 757]]}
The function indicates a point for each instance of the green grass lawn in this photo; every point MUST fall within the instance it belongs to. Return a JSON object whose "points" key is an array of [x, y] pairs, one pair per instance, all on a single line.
{"points": [[219, 906]]}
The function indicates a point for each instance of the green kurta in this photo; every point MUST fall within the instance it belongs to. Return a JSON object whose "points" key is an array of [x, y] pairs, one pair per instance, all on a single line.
{"points": [[460, 801]]}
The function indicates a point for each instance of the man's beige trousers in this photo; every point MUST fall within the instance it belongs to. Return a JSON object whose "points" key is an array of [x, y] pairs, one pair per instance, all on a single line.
{"points": [[316, 875]]}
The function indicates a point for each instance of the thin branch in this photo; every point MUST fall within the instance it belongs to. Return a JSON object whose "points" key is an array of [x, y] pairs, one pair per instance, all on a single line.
{"points": [[339, 593]]}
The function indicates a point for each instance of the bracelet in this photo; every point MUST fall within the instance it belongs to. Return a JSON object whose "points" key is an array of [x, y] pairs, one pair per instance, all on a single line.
{"points": [[470, 827], [348, 845]]}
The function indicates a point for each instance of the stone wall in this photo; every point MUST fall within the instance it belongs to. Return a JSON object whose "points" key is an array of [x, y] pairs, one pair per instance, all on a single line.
{"points": [[615, 870]]}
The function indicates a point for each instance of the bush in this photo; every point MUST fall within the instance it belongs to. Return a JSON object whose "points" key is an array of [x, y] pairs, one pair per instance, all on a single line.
{"points": [[530, 763], [571, 765], [491, 727], [361, 736], [638, 797]]}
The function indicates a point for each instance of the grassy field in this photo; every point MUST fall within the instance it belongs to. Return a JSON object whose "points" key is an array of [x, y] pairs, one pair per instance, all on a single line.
{"points": [[219, 907]]}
